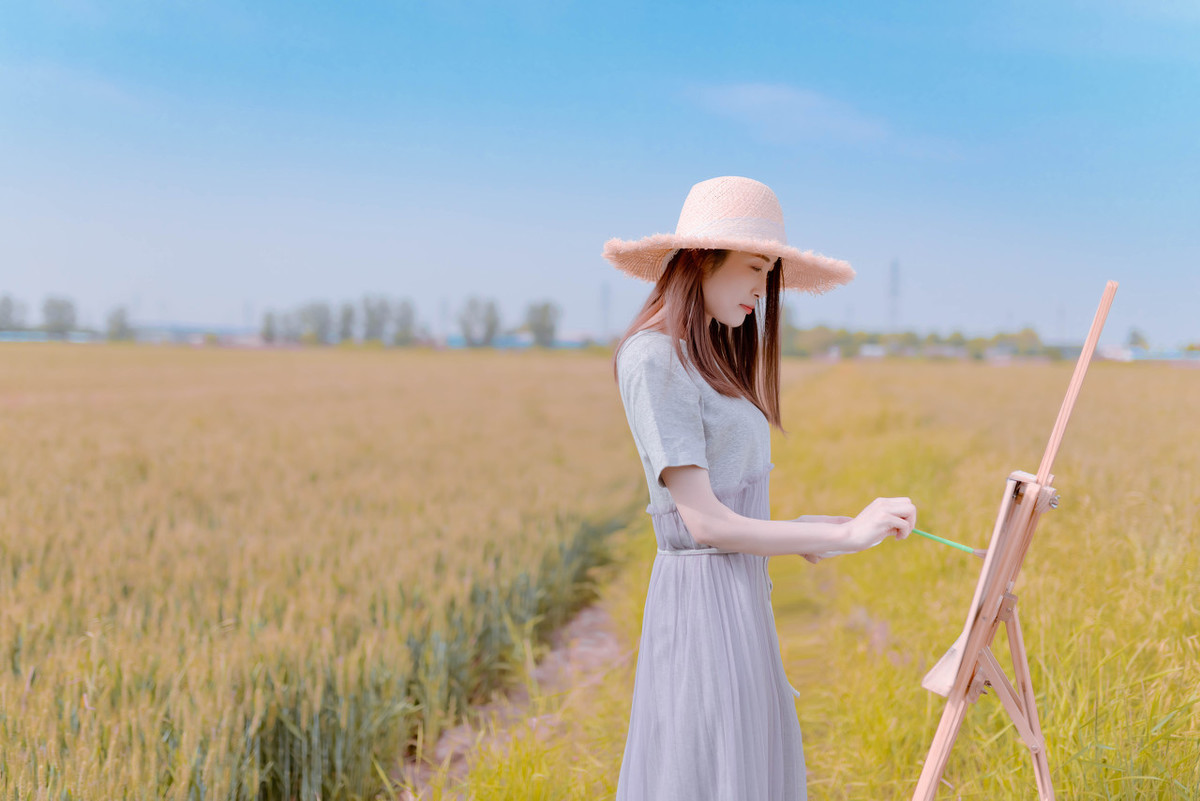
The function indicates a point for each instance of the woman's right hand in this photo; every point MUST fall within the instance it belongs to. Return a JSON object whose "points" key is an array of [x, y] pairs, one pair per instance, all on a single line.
{"points": [[882, 518]]}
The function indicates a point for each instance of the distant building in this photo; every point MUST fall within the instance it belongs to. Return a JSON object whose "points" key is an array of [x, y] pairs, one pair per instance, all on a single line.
{"points": [[81, 337], [574, 339], [1136, 354], [1068, 351], [523, 340], [1000, 354], [23, 336]]}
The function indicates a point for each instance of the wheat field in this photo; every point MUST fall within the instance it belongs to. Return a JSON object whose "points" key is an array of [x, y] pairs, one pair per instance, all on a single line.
{"points": [[272, 574]]}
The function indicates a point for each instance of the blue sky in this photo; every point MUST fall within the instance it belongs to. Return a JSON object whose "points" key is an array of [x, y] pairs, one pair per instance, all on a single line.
{"points": [[203, 162]]}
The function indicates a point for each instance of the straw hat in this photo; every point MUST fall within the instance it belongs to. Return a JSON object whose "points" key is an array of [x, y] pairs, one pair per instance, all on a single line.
{"points": [[730, 213]]}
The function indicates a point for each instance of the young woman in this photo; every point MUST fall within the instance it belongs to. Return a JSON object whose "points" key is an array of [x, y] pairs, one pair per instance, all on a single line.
{"points": [[713, 715]]}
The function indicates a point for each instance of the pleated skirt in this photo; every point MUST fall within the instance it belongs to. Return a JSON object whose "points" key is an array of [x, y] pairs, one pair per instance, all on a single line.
{"points": [[713, 714]]}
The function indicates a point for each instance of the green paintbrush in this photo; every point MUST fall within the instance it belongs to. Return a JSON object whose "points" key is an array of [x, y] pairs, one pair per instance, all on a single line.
{"points": [[975, 551]]}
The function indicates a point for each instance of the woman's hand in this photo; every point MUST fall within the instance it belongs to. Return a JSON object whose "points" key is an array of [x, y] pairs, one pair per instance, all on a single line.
{"points": [[882, 518]]}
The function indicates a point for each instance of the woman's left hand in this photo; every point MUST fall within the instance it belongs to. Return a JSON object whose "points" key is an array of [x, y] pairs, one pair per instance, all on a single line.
{"points": [[812, 557]]}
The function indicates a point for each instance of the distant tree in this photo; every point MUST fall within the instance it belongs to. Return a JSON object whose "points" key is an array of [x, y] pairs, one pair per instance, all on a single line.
{"points": [[269, 332], [58, 316], [12, 314], [376, 315], [479, 321], [1136, 340], [814, 341], [956, 339], [542, 321], [404, 317], [897, 342], [289, 327], [316, 322], [977, 346], [346, 323], [119, 329], [789, 318], [1027, 342], [788, 330]]}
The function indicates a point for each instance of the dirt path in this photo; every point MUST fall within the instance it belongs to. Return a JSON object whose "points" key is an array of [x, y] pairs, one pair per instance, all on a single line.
{"points": [[580, 655]]}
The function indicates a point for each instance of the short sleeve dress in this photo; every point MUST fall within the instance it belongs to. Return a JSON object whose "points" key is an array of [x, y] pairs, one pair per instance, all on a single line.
{"points": [[713, 714]]}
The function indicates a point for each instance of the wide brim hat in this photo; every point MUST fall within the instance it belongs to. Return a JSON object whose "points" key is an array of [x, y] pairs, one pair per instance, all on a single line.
{"points": [[730, 213]]}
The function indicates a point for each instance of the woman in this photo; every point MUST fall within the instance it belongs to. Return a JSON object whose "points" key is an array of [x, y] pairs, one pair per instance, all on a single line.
{"points": [[712, 714]]}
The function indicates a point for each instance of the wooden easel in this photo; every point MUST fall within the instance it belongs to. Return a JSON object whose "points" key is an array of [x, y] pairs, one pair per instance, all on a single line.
{"points": [[969, 667]]}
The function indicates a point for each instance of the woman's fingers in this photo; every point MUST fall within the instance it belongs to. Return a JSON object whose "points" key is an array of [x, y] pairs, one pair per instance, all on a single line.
{"points": [[905, 509], [901, 525]]}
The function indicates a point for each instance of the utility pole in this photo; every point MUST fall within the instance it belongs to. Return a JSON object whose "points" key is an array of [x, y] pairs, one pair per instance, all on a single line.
{"points": [[445, 320], [894, 298], [604, 312]]}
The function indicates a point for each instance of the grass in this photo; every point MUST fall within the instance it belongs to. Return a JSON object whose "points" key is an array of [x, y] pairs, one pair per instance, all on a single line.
{"points": [[1109, 603]]}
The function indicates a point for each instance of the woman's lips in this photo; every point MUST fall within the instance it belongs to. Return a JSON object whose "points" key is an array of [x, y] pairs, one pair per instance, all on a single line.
{"points": [[747, 308]]}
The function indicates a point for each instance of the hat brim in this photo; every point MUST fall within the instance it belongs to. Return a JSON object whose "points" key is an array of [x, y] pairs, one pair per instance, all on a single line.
{"points": [[805, 271]]}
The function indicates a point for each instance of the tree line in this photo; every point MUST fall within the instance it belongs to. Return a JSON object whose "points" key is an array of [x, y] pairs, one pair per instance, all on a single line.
{"points": [[377, 319], [821, 340], [59, 318]]}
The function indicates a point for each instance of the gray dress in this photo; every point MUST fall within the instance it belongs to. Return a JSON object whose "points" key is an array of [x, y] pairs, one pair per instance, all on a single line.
{"points": [[713, 715]]}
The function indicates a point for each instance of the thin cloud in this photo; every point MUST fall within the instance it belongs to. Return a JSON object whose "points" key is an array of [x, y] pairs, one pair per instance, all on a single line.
{"points": [[1169, 10], [1152, 31], [782, 114], [59, 81]]}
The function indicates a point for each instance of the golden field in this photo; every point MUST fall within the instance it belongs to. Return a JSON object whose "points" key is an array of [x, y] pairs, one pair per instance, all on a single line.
{"points": [[236, 574], [1109, 596], [270, 574]]}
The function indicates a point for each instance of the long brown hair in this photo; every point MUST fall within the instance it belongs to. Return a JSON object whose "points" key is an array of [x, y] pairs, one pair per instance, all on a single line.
{"points": [[734, 361]]}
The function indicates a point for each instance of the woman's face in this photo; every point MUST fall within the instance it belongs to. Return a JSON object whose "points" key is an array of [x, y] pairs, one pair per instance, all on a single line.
{"points": [[733, 289]]}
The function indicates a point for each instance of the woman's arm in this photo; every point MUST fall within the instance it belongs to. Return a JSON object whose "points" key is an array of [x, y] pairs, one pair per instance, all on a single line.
{"points": [[817, 557], [712, 523]]}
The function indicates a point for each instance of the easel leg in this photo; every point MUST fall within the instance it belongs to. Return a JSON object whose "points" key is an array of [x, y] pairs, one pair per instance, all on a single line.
{"points": [[1016, 644], [939, 751]]}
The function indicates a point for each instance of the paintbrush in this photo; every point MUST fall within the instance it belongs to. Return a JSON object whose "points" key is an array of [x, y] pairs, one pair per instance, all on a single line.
{"points": [[976, 551]]}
